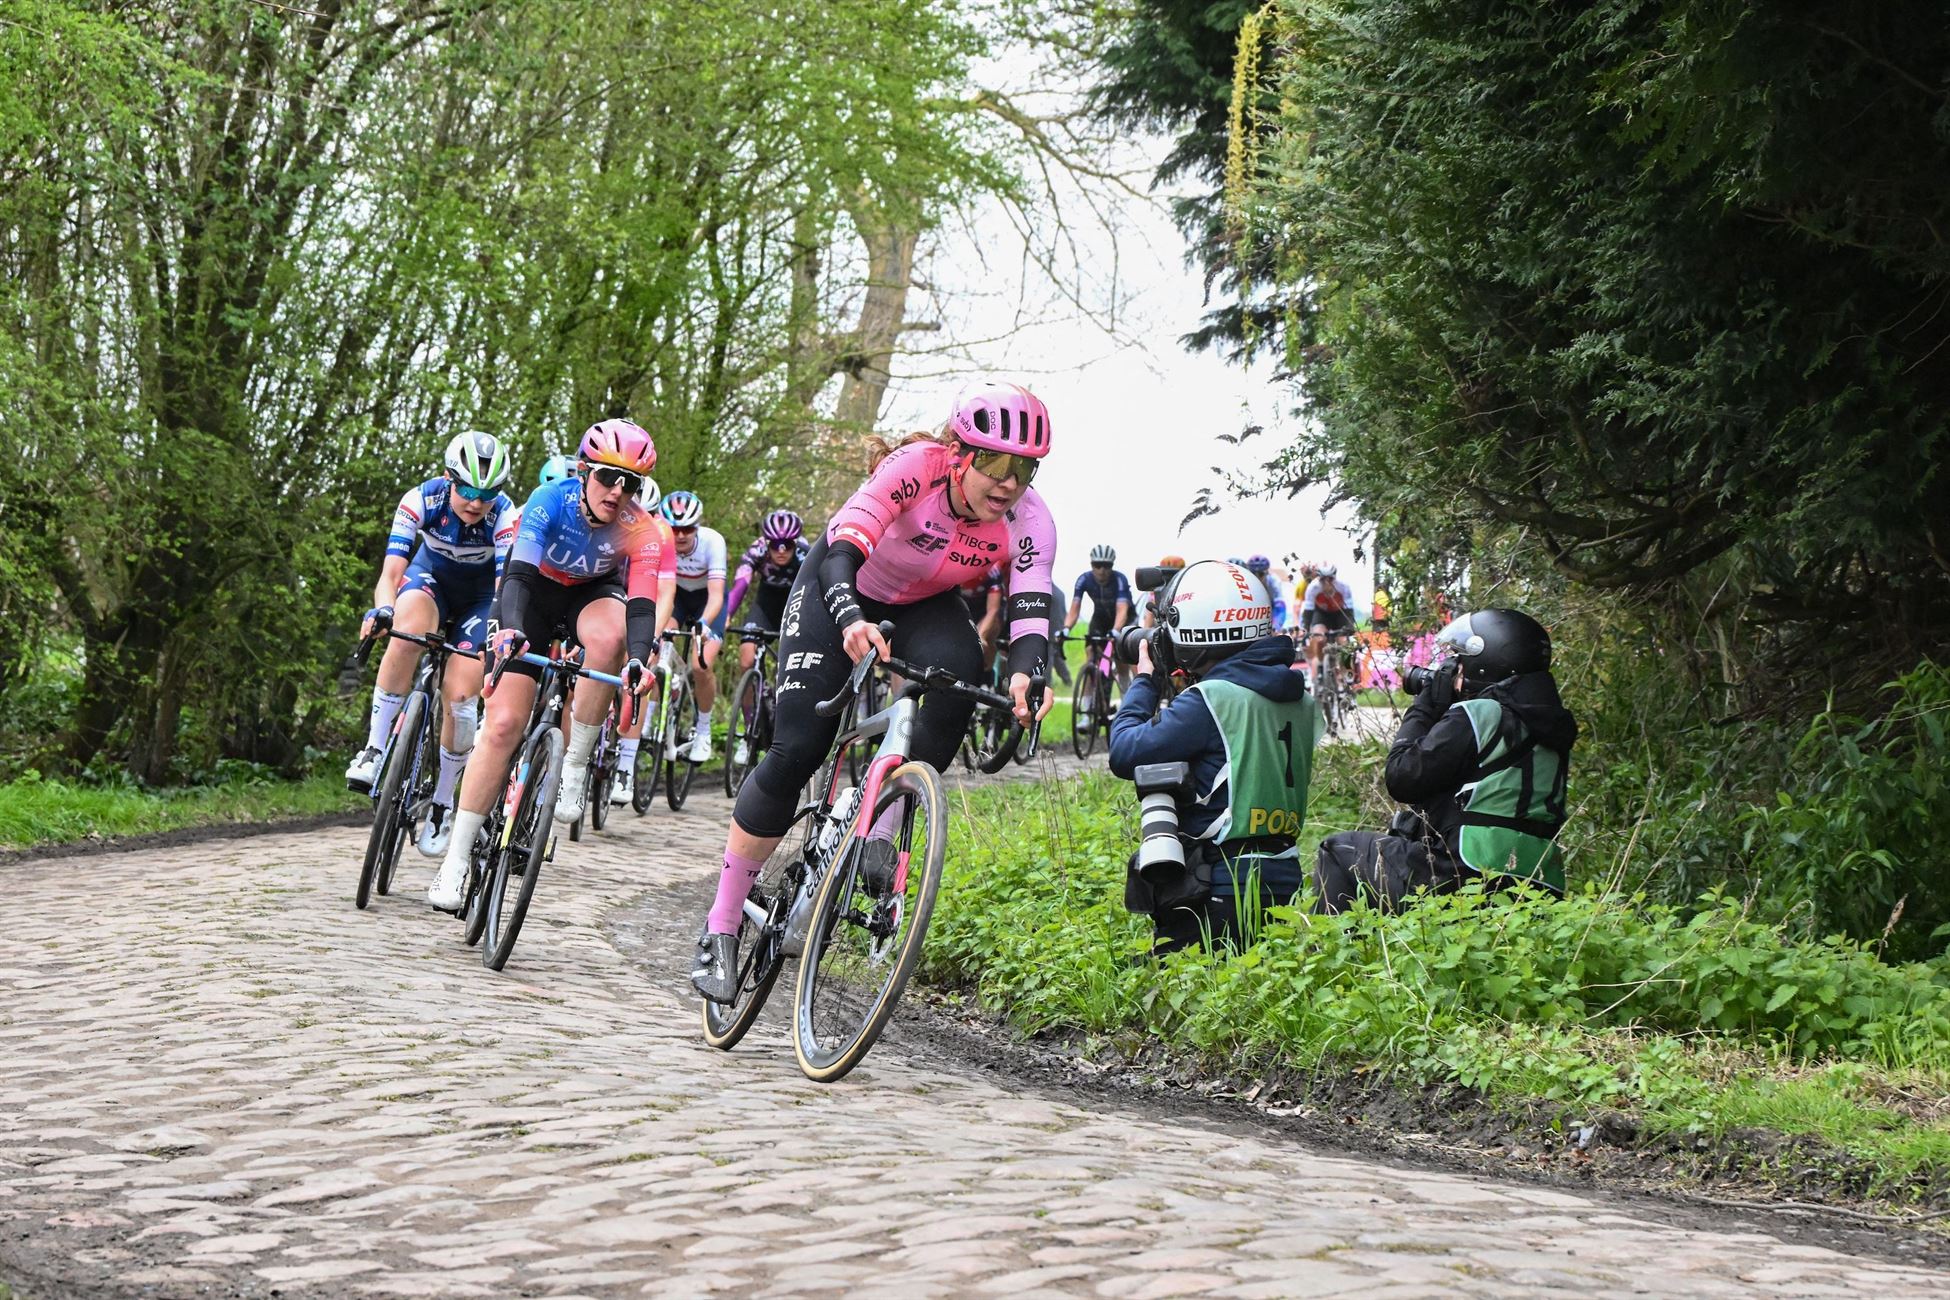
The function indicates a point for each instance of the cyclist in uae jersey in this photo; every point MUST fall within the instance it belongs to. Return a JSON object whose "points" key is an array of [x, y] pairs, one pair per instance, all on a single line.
{"points": [[450, 536], [930, 515], [590, 563]]}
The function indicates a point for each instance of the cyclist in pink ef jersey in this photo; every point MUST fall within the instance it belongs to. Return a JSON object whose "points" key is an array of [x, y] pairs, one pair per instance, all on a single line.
{"points": [[935, 512]]}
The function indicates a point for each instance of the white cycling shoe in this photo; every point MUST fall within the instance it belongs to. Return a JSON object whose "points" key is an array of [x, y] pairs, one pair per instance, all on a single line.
{"points": [[572, 794], [444, 894], [700, 751], [363, 771], [741, 755], [439, 828], [622, 788]]}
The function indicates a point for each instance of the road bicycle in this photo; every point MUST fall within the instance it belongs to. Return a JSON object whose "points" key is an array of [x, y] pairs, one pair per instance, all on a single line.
{"points": [[667, 737], [506, 857], [1334, 689], [858, 939], [402, 794], [754, 708], [1091, 707]]}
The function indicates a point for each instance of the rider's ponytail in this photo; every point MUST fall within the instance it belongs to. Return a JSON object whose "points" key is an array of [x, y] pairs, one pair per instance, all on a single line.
{"points": [[879, 449]]}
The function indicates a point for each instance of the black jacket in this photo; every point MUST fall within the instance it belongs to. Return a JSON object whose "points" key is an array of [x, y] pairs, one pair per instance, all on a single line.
{"points": [[1435, 753]]}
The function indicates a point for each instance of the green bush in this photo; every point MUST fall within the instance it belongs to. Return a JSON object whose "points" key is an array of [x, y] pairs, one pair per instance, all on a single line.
{"points": [[1597, 998]]}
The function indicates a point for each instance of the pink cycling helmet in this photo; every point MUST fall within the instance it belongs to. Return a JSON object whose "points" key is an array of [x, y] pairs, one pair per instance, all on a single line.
{"points": [[1001, 417], [619, 443]]}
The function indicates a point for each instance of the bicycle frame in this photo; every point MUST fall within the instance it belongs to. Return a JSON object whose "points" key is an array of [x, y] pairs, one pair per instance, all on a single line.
{"points": [[557, 691]]}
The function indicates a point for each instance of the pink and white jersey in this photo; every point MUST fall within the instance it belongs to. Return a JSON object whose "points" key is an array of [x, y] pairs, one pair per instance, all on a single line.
{"points": [[916, 547]]}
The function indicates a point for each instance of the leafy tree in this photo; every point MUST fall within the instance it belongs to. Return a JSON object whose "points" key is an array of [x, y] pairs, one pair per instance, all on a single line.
{"points": [[1654, 287]]}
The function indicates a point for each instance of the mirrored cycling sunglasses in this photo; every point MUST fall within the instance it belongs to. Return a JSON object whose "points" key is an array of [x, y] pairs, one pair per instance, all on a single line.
{"points": [[610, 476], [999, 465], [477, 494]]}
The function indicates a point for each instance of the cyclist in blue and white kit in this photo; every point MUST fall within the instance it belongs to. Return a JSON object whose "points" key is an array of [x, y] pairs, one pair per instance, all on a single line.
{"points": [[449, 541], [1262, 568], [700, 600]]}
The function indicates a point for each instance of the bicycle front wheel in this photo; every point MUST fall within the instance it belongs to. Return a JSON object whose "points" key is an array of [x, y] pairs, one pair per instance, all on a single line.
{"points": [[864, 938], [679, 772], [1083, 718], [649, 766], [519, 863], [383, 842], [741, 730]]}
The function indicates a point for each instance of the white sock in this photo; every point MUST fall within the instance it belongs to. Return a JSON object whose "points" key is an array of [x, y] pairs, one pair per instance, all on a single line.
{"points": [[626, 754], [582, 743], [450, 764], [385, 707], [465, 825]]}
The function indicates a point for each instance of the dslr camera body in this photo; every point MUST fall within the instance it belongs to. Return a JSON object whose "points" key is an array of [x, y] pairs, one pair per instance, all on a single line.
{"points": [[1125, 641], [1416, 680]]}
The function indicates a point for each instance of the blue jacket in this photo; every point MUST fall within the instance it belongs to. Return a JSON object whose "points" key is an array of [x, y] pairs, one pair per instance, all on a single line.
{"points": [[1185, 732]]}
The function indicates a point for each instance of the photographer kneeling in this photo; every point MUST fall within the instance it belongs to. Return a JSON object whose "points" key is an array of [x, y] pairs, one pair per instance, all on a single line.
{"points": [[1483, 774], [1224, 767]]}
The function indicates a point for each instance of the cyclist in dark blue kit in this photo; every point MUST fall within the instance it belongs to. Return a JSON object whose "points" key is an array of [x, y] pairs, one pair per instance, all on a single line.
{"points": [[1110, 600]]}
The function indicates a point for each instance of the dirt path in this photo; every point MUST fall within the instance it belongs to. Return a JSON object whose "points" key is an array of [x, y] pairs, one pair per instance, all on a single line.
{"points": [[218, 1078]]}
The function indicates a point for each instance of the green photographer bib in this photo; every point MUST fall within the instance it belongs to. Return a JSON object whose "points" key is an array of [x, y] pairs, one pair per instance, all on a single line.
{"points": [[1513, 809], [1269, 760]]}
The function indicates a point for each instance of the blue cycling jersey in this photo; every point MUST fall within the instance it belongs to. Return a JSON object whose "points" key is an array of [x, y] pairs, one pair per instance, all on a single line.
{"points": [[434, 538], [1103, 598], [556, 538]]}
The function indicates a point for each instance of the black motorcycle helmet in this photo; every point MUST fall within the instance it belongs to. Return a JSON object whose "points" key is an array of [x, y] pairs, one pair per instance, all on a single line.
{"points": [[1492, 644]]}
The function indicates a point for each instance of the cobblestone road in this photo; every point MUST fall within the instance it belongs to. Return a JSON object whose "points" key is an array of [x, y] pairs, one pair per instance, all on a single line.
{"points": [[218, 1078]]}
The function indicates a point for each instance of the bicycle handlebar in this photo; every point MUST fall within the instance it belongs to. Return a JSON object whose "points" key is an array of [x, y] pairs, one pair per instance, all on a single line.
{"points": [[926, 677], [432, 641]]}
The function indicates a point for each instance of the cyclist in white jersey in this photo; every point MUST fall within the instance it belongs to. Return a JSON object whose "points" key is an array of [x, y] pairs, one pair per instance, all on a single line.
{"points": [[700, 601]]}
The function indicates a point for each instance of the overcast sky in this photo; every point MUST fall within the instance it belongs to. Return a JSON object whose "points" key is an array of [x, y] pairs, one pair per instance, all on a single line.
{"points": [[1135, 418]]}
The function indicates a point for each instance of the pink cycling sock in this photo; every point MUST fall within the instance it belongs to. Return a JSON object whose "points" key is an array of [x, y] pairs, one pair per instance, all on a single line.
{"points": [[733, 884]]}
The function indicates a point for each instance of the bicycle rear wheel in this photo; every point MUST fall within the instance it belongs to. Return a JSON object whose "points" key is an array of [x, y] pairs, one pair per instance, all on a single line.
{"points": [[864, 938], [388, 811], [1083, 719], [480, 873], [679, 772], [519, 863], [742, 730], [602, 780]]}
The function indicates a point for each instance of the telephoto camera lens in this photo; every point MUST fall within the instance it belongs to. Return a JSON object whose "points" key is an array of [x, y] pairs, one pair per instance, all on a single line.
{"points": [[1125, 643], [1158, 786], [1158, 816]]}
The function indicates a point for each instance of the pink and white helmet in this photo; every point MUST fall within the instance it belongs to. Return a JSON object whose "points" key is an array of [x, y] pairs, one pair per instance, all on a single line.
{"points": [[619, 443], [1002, 417]]}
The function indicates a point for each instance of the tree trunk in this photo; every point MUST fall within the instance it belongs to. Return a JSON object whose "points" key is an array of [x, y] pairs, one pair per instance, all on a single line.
{"points": [[883, 315]]}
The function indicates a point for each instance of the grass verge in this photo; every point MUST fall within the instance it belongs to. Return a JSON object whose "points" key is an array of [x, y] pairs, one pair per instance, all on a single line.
{"points": [[38, 812], [1692, 1031]]}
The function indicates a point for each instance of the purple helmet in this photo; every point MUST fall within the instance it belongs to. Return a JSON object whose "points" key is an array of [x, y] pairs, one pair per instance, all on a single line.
{"points": [[781, 526]]}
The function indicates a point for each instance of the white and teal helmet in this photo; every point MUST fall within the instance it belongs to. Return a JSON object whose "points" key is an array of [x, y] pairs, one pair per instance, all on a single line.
{"points": [[477, 460]]}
